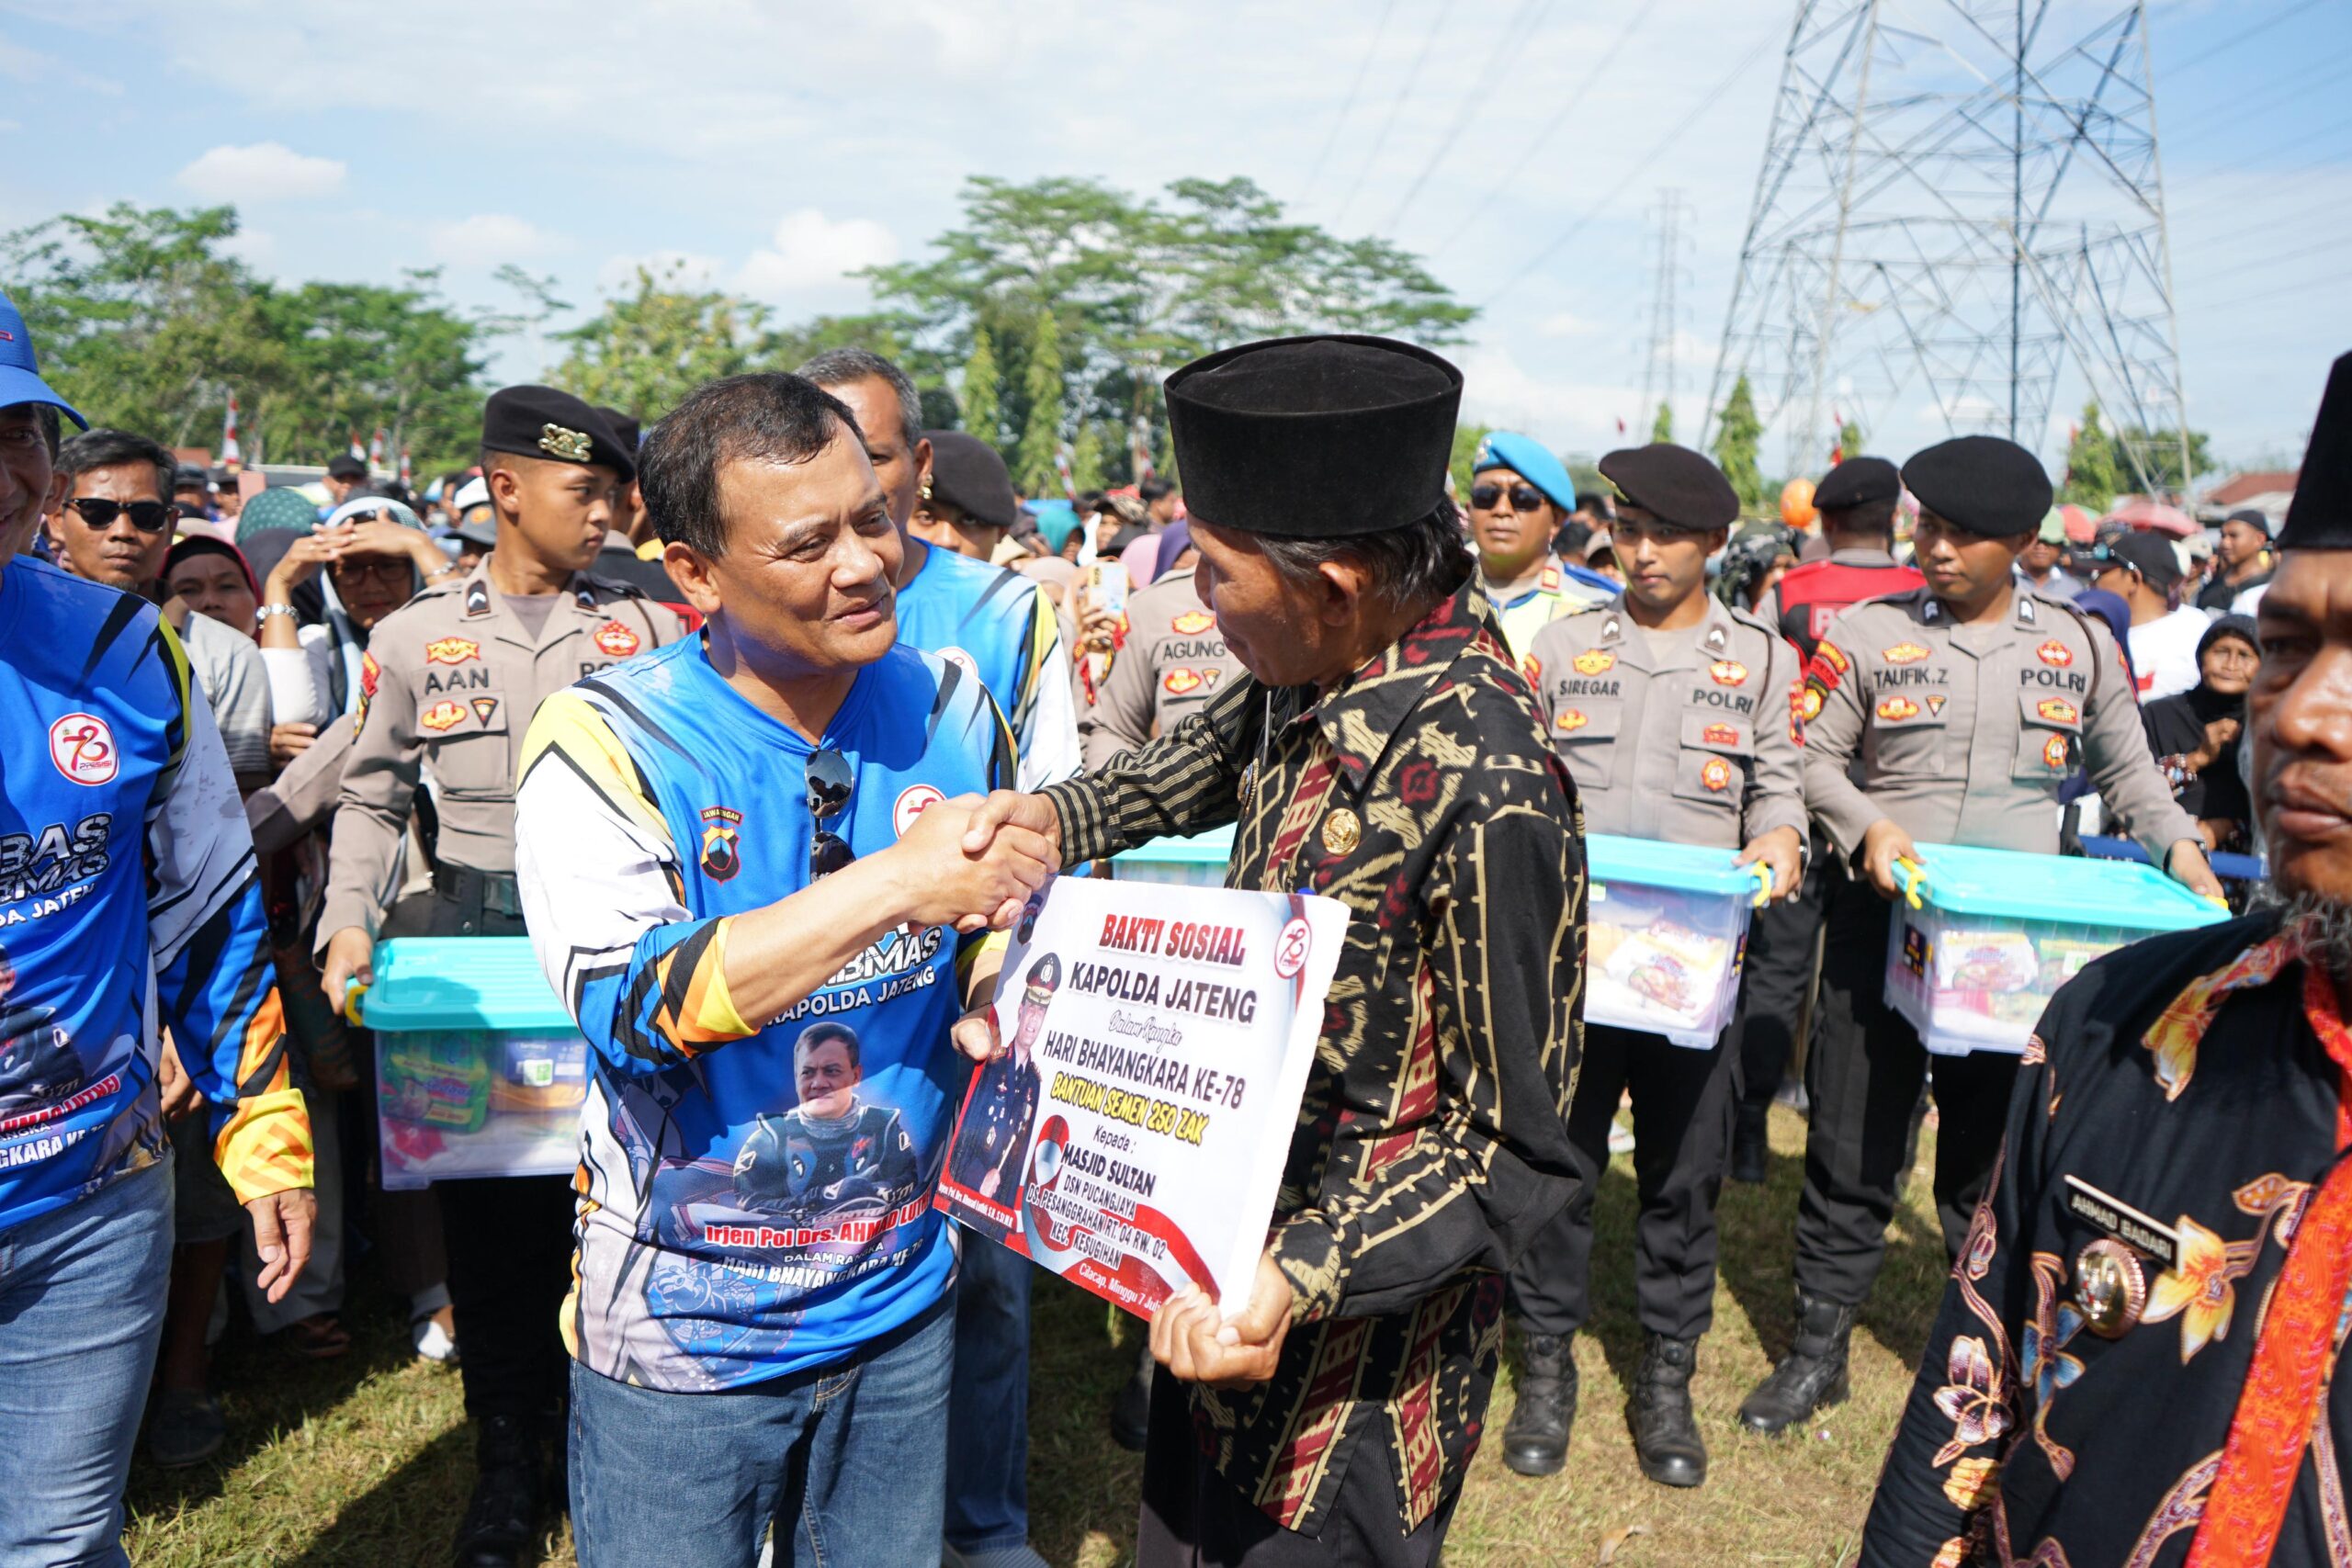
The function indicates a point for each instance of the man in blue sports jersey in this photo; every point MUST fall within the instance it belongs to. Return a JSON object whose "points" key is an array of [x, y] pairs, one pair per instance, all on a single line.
{"points": [[995, 624], [128, 902], [724, 847]]}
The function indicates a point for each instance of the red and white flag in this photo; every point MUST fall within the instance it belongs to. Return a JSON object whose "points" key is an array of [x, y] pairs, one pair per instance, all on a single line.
{"points": [[404, 473], [233, 457], [359, 449], [375, 450]]}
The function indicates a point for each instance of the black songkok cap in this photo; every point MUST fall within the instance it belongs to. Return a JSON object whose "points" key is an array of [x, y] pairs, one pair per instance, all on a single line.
{"points": [[1858, 481], [1983, 483], [540, 421], [1315, 438], [2320, 517], [967, 472], [1678, 487]]}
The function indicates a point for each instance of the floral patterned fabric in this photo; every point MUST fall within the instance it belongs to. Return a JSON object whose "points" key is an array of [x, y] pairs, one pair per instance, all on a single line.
{"points": [[2196, 1091]]}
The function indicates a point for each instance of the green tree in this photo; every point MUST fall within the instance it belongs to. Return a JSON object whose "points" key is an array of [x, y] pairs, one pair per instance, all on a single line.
{"points": [[1849, 441], [2159, 454], [983, 409], [2094, 468], [645, 350], [1738, 432], [1086, 457], [1041, 430], [358, 355], [1467, 438], [1662, 427]]}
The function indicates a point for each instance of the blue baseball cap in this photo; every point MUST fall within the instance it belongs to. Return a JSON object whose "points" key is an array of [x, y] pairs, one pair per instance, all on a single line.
{"points": [[20, 380], [1527, 457]]}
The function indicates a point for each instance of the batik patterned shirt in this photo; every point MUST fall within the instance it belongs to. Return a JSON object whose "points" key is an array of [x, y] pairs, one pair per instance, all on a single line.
{"points": [[2180, 1078], [1433, 1142]]}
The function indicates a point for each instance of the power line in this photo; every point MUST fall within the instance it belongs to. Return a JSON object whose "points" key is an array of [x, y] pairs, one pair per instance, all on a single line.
{"points": [[2273, 91], [1403, 89], [2335, 279], [2253, 32], [1715, 96], [1522, 23], [2260, 262], [1378, 29], [1569, 104]]}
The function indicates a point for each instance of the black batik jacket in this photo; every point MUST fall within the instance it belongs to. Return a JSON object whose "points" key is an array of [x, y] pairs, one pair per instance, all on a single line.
{"points": [[2179, 1076], [1433, 1142]]}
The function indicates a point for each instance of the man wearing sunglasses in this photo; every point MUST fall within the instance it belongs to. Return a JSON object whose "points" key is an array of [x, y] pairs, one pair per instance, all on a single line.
{"points": [[1519, 495], [739, 855], [114, 526]]}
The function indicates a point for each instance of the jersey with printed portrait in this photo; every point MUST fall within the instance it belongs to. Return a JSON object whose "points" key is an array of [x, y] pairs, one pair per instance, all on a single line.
{"points": [[731, 1231]]}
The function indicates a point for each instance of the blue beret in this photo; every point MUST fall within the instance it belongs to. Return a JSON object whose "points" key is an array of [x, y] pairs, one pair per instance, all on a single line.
{"points": [[1525, 457]]}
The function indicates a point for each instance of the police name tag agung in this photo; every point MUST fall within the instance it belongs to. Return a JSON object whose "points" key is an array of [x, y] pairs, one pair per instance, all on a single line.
{"points": [[1158, 1042]]}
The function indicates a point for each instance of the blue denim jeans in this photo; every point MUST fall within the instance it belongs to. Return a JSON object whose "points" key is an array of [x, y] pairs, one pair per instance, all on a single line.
{"points": [[987, 1414], [850, 1461], [81, 1311]]}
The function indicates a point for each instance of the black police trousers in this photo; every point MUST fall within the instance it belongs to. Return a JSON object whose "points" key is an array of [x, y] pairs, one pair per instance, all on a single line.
{"points": [[1682, 1105], [1778, 972], [509, 1238], [1863, 1077]]}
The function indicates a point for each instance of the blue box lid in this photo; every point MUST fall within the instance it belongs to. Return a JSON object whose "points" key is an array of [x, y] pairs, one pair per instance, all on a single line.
{"points": [[1212, 848], [461, 982], [1653, 863], [2059, 890]]}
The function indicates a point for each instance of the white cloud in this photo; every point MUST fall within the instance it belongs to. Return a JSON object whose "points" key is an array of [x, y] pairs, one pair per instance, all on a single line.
{"points": [[810, 250], [1567, 323], [488, 239], [256, 248], [267, 171], [671, 268]]}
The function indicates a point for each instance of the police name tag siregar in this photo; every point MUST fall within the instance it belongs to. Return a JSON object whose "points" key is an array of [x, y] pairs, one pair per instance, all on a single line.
{"points": [[1157, 1039]]}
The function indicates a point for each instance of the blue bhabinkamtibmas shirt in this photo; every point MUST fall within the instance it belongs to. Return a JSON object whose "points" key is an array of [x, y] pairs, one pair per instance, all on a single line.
{"points": [[755, 1194]]}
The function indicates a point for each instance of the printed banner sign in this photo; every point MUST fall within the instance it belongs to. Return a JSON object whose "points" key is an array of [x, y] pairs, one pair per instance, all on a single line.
{"points": [[1132, 1134]]}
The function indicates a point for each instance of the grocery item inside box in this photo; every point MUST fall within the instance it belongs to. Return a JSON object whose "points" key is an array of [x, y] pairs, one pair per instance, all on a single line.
{"points": [[1666, 930], [1997, 932], [479, 1070]]}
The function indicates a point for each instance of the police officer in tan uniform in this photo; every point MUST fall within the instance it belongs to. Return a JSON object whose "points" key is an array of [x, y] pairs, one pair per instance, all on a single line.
{"points": [[448, 685], [1173, 662], [1968, 703], [1674, 713]]}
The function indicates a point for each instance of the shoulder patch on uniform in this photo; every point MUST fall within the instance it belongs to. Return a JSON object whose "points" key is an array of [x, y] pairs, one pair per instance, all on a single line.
{"points": [[615, 641]]}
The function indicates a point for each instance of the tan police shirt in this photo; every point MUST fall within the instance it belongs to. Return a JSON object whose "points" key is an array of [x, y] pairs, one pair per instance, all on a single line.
{"points": [[450, 682], [1174, 659], [1694, 741], [1965, 733]]}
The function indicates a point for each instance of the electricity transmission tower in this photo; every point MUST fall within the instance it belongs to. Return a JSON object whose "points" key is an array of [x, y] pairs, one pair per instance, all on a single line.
{"points": [[1960, 198], [1665, 319]]}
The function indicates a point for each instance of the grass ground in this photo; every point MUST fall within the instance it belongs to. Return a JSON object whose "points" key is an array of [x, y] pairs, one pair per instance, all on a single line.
{"points": [[365, 1462]]}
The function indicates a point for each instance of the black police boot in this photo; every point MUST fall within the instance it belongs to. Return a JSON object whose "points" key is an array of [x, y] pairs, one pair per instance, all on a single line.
{"points": [[1131, 1410], [1536, 1441], [501, 1522], [1748, 1143], [1666, 1434], [1812, 1375]]}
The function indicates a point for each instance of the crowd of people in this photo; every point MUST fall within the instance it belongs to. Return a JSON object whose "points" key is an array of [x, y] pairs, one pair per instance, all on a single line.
{"points": [[780, 687]]}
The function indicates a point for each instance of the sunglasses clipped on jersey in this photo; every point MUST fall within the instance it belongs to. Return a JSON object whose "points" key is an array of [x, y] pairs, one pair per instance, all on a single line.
{"points": [[147, 517]]}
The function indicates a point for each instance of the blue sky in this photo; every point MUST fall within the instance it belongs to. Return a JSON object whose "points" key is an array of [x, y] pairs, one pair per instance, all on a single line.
{"points": [[774, 147]]}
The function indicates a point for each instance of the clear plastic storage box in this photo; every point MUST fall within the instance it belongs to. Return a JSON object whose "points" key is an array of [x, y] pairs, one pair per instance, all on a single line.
{"points": [[1196, 861], [479, 1070], [1997, 931], [1666, 930]]}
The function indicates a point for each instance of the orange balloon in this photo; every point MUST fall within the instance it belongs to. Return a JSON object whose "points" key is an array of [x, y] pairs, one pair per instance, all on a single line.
{"points": [[1796, 503]]}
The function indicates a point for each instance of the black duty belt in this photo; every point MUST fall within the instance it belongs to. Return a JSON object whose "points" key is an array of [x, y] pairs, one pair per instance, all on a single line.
{"points": [[492, 891]]}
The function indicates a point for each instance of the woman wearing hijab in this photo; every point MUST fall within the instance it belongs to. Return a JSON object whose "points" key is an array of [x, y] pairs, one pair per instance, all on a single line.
{"points": [[2195, 734], [370, 557], [213, 577]]}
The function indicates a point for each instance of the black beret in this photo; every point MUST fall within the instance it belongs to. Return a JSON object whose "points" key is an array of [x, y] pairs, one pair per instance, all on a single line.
{"points": [[540, 421], [1315, 438], [1982, 483], [1678, 487], [2320, 517], [626, 430], [344, 466], [1858, 481], [966, 473]]}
